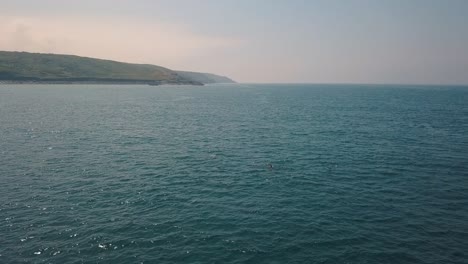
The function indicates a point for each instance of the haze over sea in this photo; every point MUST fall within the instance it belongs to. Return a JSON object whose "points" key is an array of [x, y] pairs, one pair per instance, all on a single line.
{"points": [[168, 174]]}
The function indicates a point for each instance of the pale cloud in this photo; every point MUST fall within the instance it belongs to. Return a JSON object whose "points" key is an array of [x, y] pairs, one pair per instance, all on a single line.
{"points": [[109, 38]]}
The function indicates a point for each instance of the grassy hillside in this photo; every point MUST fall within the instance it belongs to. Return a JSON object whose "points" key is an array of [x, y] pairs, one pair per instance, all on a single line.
{"points": [[204, 77], [23, 66]]}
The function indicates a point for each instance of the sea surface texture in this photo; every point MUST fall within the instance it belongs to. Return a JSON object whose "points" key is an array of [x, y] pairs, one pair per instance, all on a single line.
{"points": [[233, 174]]}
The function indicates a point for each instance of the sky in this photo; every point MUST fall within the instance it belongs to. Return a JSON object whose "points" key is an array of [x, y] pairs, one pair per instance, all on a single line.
{"points": [[265, 41]]}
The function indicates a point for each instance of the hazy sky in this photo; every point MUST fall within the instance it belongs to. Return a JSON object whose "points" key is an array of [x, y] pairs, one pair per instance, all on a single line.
{"points": [[348, 41]]}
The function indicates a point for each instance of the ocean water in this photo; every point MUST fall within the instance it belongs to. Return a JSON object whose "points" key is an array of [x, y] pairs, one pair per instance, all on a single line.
{"points": [[233, 174]]}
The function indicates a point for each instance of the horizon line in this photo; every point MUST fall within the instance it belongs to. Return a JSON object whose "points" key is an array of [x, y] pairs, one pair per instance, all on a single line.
{"points": [[353, 83]]}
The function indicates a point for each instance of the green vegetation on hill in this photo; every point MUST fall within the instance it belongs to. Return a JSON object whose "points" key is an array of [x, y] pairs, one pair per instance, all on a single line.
{"points": [[36, 67], [205, 78]]}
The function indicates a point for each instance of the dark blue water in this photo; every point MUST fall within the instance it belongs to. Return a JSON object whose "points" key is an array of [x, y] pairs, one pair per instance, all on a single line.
{"points": [[131, 174]]}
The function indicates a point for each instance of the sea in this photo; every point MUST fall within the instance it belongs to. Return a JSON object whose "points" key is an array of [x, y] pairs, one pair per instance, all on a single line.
{"points": [[238, 173]]}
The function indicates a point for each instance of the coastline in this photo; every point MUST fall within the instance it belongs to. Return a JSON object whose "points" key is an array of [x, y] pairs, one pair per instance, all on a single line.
{"points": [[98, 81]]}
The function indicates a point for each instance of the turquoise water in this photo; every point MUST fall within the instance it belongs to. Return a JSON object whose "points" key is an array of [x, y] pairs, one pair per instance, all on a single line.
{"points": [[131, 174]]}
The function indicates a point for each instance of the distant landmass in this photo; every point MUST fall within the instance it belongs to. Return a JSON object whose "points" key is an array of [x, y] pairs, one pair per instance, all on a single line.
{"points": [[25, 67], [205, 78]]}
